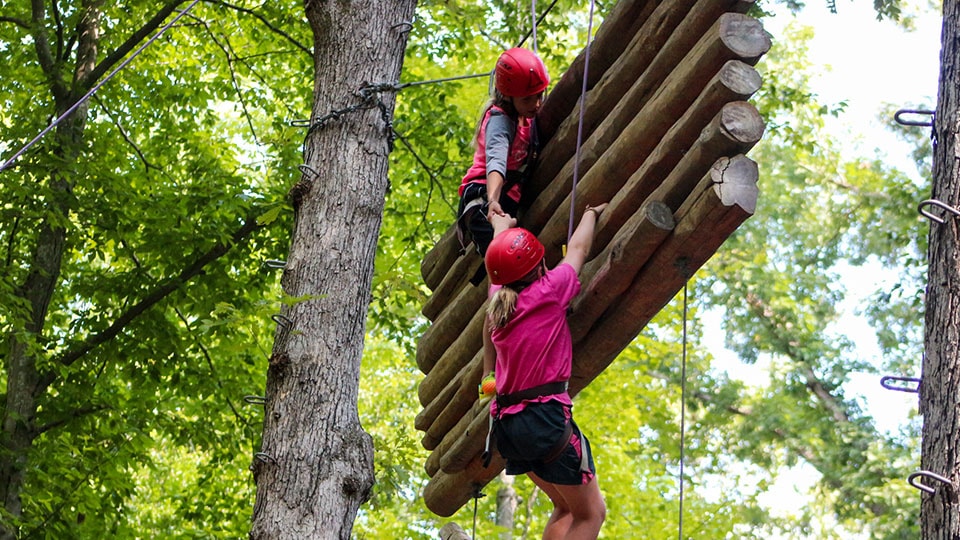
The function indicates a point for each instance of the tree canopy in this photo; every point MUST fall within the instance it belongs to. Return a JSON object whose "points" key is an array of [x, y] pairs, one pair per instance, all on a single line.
{"points": [[137, 291]]}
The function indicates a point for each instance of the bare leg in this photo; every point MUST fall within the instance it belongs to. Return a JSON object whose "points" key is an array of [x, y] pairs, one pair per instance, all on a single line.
{"points": [[578, 511]]}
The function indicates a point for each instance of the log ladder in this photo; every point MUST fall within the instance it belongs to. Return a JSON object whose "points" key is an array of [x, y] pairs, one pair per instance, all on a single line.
{"points": [[665, 130]]}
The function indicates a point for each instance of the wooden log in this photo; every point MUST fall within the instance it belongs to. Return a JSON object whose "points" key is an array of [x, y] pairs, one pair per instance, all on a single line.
{"points": [[452, 531], [601, 99], [438, 260], [611, 273], [453, 282], [465, 344], [720, 203], [737, 129], [734, 130], [433, 409], [625, 19], [469, 441], [448, 326], [621, 144], [451, 411], [455, 437], [445, 493], [735, 81]]}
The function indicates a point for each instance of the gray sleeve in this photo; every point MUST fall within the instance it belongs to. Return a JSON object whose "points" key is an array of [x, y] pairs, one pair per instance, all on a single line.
{"points": [[500, 132]]}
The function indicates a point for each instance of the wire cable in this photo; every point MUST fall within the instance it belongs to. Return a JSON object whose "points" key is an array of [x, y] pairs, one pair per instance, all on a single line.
{"points": [[683, 406], [583, 93], [82, 100]]}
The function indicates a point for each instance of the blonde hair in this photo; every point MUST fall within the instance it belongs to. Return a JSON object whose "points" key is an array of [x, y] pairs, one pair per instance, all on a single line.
{"points": [[502, 306]]}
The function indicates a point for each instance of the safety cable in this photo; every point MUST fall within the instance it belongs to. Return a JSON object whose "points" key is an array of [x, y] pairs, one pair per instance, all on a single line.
{"points": [[533, 27], [535, 22], [683, 405], [96, 87], [583, 93]]}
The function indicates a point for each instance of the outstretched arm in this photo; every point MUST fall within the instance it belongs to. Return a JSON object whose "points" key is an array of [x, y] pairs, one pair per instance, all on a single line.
{"points": [[501, 222], [582, 239]]}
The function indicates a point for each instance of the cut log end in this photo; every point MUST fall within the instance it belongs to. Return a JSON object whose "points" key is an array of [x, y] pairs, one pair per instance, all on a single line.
{"points": [[735, 182]]}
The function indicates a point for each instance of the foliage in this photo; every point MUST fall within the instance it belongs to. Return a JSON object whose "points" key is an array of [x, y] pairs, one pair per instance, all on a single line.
{"points": [[179, 151], [147, 434]]}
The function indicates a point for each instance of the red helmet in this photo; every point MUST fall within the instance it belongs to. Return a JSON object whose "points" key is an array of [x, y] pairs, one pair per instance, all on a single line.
{"points": [[511, 255], [520, 73]]}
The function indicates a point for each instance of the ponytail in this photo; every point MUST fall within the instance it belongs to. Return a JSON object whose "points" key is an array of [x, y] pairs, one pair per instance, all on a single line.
{"points": [[501, 306]]}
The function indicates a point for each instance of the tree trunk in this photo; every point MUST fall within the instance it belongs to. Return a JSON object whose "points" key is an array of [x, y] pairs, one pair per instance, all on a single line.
{"points": [[506, 506], [315, 467], [939, 401], [23, 378]]}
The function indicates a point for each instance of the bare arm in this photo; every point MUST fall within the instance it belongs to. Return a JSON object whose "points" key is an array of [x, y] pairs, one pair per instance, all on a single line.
{"points": [[494, 186], [501, 222], [582, 239], [489, 351]]}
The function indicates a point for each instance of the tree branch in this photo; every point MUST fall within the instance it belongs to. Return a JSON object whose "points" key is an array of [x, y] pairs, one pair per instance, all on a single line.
{"points": [[123, 133], [230, 55], [160, 292], [265, 22], [42, 45], [830, 402], [120, 52], [59, 22], [71, 416], [19, 22]]}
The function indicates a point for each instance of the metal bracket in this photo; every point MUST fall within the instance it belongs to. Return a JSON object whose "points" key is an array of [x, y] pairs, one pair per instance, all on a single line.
{"points": [[922, 208], [889, 382], [912, 480], [263, 457], [898, 116], [274, 263], [255, 400], [304, 168], [285, 324]]}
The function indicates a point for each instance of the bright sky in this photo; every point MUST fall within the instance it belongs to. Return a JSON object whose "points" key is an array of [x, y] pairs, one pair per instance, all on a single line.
{"points": [[869, 63], [866, 63]]}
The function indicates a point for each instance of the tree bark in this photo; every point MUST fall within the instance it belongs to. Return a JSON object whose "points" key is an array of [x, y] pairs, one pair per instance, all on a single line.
{"points": [[506, 506], [23, 378], [939, 400], [315, 467]]}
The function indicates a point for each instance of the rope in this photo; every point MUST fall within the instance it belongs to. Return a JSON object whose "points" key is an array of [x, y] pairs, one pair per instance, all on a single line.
{"points": [[583, 93], [96, 87], [533, 17], [535, 22], [477, 493], [683, 404]]}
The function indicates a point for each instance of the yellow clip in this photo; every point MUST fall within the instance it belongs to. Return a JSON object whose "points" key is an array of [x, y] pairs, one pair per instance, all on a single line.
{"points": [[563, 250]]}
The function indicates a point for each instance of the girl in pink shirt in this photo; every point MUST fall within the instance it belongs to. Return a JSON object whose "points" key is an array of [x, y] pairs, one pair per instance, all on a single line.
{"points": [[527, 343]]}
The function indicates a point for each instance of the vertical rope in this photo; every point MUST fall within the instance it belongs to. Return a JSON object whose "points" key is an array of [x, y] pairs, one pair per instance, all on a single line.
{"points": [[683, 404], [583, 93], [533, 17], [96, 87]]}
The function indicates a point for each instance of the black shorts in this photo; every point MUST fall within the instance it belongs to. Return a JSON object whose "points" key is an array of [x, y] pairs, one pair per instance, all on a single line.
{"points": [[528, 438]]}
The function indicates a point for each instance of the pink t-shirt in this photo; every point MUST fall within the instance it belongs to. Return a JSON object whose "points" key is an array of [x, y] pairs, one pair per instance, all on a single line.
{"points": [[535, 346]]}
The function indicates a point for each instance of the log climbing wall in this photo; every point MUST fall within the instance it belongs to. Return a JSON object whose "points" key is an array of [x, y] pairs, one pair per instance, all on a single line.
{"points": [[666, 126]]}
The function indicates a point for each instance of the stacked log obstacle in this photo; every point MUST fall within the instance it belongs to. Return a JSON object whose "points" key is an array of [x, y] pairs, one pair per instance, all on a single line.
{"points": [[665, 132]]}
